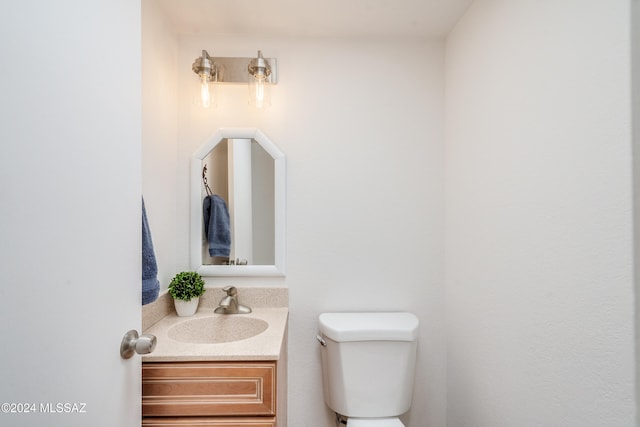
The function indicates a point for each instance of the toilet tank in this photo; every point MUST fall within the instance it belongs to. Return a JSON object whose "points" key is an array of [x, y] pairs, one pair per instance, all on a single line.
{"points": [[368, 362]]}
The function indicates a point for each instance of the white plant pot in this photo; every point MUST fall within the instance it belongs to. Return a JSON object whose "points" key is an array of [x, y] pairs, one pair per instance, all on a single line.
{"points": [[186, 308]]}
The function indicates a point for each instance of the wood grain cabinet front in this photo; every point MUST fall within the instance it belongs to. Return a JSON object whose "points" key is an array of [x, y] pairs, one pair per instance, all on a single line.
{"points": [[237, 394], [208, 422]]}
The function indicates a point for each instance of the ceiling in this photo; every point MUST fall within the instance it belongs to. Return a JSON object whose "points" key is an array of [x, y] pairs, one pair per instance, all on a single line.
{"points": [[315, 18]]}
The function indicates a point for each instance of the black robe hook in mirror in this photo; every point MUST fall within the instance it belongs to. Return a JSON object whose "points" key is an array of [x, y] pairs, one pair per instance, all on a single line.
{"points": [[204, 181]]}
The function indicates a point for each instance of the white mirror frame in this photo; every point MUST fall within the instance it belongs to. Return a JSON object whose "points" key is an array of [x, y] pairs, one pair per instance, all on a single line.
{"points": [[278, 269]]}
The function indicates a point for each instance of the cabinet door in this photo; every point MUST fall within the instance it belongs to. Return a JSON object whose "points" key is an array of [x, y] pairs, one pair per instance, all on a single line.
{"points": [[211, 422], [209, 389]]}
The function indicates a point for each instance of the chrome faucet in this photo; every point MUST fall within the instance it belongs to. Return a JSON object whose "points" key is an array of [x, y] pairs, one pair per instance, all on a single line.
{"points": [[229, 304]]}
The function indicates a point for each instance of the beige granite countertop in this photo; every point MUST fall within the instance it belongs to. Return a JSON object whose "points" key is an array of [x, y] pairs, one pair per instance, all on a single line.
{"points": [[267, 345]]}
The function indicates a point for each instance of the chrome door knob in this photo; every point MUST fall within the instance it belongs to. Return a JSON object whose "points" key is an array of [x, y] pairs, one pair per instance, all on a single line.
{"points": [[132, 344]]}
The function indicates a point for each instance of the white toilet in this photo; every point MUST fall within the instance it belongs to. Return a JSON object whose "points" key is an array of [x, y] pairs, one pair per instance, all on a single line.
{"points": [[368, 363]]}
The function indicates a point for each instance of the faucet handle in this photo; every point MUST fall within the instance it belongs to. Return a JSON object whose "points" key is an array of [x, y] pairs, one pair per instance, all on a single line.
{"points": [[230, 290]]}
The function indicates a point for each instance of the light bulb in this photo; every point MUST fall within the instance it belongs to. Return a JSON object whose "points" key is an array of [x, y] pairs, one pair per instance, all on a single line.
{"points": [[204, 91], [260, 91], [259, 82]]}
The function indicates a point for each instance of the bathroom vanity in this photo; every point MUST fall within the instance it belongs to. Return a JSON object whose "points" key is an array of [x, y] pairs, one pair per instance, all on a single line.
{"points": [[225, 394], [217, 370]]}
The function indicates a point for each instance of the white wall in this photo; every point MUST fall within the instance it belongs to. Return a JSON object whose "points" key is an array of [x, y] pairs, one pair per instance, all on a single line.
{"points": [[160, 137], [538, 235], [364, 214], [365, 180]]}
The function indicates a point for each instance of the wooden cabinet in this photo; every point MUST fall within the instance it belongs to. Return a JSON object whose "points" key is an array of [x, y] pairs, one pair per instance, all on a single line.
{"points": [[222, 394], [204, 422]]}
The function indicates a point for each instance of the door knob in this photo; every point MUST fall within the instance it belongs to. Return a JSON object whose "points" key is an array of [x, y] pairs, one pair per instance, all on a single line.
{"points": [[132, 343]]}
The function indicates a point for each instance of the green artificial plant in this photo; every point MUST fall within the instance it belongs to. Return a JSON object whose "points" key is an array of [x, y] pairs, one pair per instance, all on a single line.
{"points": [[186, 285]]}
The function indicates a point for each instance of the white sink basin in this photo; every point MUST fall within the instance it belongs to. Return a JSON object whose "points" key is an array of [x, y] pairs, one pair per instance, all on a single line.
{"points": [[217, 329]]}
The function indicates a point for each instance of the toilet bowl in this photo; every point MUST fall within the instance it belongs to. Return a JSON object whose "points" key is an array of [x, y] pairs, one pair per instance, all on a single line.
{"points": [[368, 364]]}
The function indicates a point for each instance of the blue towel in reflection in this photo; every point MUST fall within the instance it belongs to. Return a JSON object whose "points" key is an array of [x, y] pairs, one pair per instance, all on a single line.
{"points": [[216, 225], [150, 284]]}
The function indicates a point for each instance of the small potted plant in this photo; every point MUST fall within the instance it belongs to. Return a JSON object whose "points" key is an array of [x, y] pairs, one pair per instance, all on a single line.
{"points": [[186, 288]]}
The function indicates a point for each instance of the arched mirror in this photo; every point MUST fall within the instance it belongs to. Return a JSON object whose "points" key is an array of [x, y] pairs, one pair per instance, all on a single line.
{"points": [[238, 204]]}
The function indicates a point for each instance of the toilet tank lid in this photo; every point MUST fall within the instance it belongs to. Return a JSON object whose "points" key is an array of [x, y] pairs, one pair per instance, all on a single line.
{"points": [[345, 327]]}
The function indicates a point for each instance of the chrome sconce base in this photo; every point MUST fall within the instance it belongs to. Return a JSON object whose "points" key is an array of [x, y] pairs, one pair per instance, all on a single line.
{"points": [[234, 69]]}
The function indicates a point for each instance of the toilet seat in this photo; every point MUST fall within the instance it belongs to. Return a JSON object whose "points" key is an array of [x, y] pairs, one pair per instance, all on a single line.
{"points": [[374, 422]]}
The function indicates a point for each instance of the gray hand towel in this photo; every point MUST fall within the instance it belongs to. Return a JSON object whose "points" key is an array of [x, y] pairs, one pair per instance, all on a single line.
{"points": [[216, 225], [150, 284]]}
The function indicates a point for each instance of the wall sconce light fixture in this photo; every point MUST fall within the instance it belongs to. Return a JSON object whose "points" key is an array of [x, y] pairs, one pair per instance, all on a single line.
{"points": [[259, 87], [260, 73], [206, 71]]}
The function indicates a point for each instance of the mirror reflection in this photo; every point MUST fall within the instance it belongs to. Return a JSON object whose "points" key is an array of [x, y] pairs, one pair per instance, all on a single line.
{"points": [[238, 205]]}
